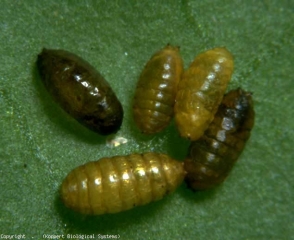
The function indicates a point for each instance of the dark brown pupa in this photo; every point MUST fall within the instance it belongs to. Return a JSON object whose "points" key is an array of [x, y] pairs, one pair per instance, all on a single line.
{"points": [[80, 90], [212, 157], [156, 90], [119, 183], [201, 90]]}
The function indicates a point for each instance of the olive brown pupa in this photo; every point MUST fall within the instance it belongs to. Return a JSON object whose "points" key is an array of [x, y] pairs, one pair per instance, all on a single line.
{"points": [[200, 91], [80, 90], [119, 183], [153, 105], [212, 157]]}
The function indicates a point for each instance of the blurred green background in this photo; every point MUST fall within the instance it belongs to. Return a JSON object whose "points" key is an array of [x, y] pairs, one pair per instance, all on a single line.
{"points": [[40, 144]]}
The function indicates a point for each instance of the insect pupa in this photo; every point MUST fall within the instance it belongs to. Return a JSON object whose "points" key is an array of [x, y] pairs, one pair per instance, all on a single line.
{"points": [[201, 90], [155, 94], [80, 90], [212, 157], [119, 183]]}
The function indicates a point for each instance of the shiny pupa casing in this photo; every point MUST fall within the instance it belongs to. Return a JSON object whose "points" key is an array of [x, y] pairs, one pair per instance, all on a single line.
{"points": [[211, 158], [153, 105], [80, 90], [119, 183], [201, 90]]}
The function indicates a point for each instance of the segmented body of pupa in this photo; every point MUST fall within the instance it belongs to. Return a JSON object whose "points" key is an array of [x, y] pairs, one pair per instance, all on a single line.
{"points": [[119, 183], [201, 90], [155, 94], [212, 157], [80, 90]]}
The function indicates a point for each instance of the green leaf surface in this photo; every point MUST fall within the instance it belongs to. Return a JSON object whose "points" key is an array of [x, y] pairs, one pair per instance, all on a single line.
{"points": [[40, 144]]}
